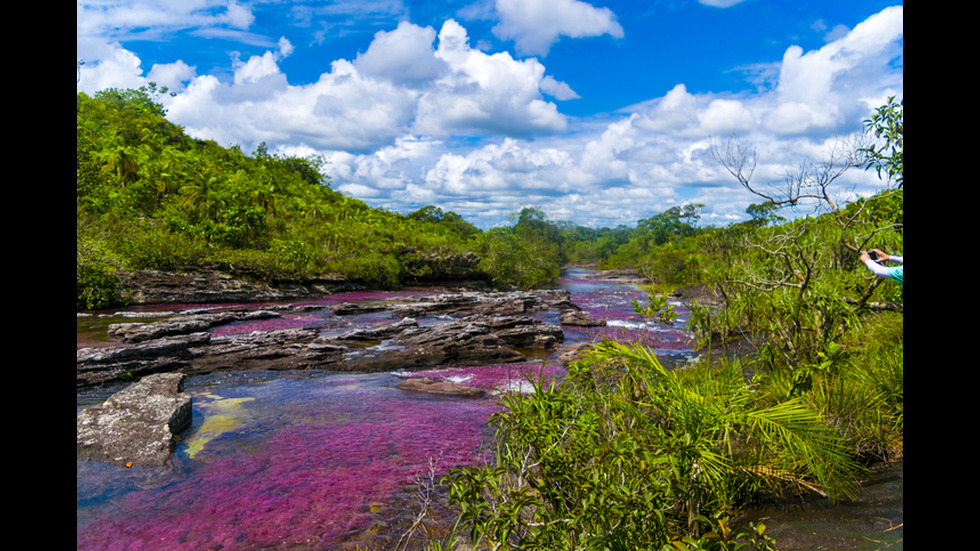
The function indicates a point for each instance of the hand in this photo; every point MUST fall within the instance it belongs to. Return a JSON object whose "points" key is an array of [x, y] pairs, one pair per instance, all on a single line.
{"points": [[882, 256], [864, 257]]}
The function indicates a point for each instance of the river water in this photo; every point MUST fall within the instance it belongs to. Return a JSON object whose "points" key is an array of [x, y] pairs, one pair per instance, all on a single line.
{"points": [[321, 460]]}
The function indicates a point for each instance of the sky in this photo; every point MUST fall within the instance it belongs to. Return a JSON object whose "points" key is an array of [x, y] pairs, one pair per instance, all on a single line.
{"points": [[598, 112]]}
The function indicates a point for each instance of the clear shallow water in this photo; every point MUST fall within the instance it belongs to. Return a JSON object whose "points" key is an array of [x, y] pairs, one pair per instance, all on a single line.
{"points": [[318, 460], [313, 459], [272, 460]]}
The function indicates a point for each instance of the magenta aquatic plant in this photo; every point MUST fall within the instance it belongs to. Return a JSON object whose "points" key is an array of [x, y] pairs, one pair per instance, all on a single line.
{"points": [[313, 460], [311, 468], [288, 321], [515, 377]]}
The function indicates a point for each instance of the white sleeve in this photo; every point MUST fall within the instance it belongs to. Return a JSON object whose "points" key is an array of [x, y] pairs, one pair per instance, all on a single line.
{"points": [[895, 259], [876, 269]]}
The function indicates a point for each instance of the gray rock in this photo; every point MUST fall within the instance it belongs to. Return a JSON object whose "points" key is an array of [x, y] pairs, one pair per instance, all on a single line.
{"points": [[137, 425], [99, 365], [184, 324], [435, 386], [472, 340], [484, 328], [210, 286], [580, 318]]}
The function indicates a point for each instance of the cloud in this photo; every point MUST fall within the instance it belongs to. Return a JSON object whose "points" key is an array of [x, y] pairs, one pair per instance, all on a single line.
{"points": [[720, 3], [558, 90], [116, 68], [402, 56], [819, 89], [421, 117], [103, 25], [485, 93], [117, 19], [171, 75], [535, 25], [726, 116], [401, 85]]}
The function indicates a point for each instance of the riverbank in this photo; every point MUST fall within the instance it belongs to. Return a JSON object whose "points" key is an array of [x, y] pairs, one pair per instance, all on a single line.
{"points": [[225, 408]]}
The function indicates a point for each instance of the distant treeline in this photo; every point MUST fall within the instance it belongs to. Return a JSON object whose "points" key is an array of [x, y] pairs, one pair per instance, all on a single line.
{"points": [[626, 455], [148, 196]]}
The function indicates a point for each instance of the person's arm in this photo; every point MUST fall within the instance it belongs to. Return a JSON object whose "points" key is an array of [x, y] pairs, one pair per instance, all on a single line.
{"points": [[876, 269]]}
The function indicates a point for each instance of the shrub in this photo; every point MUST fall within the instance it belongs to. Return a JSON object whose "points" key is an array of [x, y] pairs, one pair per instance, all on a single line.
{"points": [[627, 455]]}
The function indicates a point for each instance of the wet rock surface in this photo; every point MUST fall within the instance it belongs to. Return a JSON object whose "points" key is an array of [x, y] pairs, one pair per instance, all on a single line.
{"points": [[136, 426], [471, 328], [436, 386], [580, 319]]}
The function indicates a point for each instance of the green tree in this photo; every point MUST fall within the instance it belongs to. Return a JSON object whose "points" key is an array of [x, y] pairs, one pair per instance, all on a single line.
{"points": [[673, 222], [797, 287], [448, 220], [886, 155], [764, 213]]}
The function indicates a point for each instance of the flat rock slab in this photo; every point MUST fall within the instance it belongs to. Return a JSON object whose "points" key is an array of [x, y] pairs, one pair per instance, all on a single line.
{"points": [[483, 328], [435, 386], [136, 426]]}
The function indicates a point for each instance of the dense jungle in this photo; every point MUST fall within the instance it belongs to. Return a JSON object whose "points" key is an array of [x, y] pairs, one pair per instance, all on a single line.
{"points": [[622, 453]]}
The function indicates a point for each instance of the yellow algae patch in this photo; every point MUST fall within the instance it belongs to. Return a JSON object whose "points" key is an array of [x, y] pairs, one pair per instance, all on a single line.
{"points": [[220, 416]]}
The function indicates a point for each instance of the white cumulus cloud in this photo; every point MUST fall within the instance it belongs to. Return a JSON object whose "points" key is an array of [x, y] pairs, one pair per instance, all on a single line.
{"points": [[535, 25], [421, 116]]}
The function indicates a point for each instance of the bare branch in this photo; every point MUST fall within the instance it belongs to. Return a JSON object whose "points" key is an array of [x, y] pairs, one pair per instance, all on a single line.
{"points": [[809, 181], [738, 157]]}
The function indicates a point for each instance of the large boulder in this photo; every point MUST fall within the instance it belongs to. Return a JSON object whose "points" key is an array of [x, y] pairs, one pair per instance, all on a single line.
{"points": [[580, 318], [136, 426], [436, 386]]}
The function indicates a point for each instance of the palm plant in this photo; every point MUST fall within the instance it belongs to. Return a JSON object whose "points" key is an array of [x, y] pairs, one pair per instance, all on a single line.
{"points": [[626, 454], [725, 443]]}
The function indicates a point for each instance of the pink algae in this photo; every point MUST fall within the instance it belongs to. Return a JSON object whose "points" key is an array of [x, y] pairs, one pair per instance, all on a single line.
{"points": [[495, 378], [323, 458], [311, 479]]}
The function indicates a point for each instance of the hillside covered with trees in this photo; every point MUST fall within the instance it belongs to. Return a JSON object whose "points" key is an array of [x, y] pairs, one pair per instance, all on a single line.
{"points": [[150, 197], [628, 455]]}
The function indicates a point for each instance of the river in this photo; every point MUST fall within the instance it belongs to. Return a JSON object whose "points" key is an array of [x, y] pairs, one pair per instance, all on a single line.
{"points": [[322, 460]]}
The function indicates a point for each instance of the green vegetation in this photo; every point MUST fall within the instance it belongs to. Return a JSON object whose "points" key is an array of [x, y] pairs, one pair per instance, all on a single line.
{"points": [[150, 197], [623, 454]]}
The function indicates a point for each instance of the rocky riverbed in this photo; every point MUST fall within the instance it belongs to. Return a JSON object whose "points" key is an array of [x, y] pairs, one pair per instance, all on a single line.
{"points": [[312, 419], [396, 333], [467, 328]]}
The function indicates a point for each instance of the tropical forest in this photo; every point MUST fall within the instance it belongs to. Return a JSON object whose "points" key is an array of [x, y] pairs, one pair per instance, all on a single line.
{"points": [[622, 452]]}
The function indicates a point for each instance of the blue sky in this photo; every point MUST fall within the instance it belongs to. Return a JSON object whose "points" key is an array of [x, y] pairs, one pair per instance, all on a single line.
{"points": [[601, 113]]}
